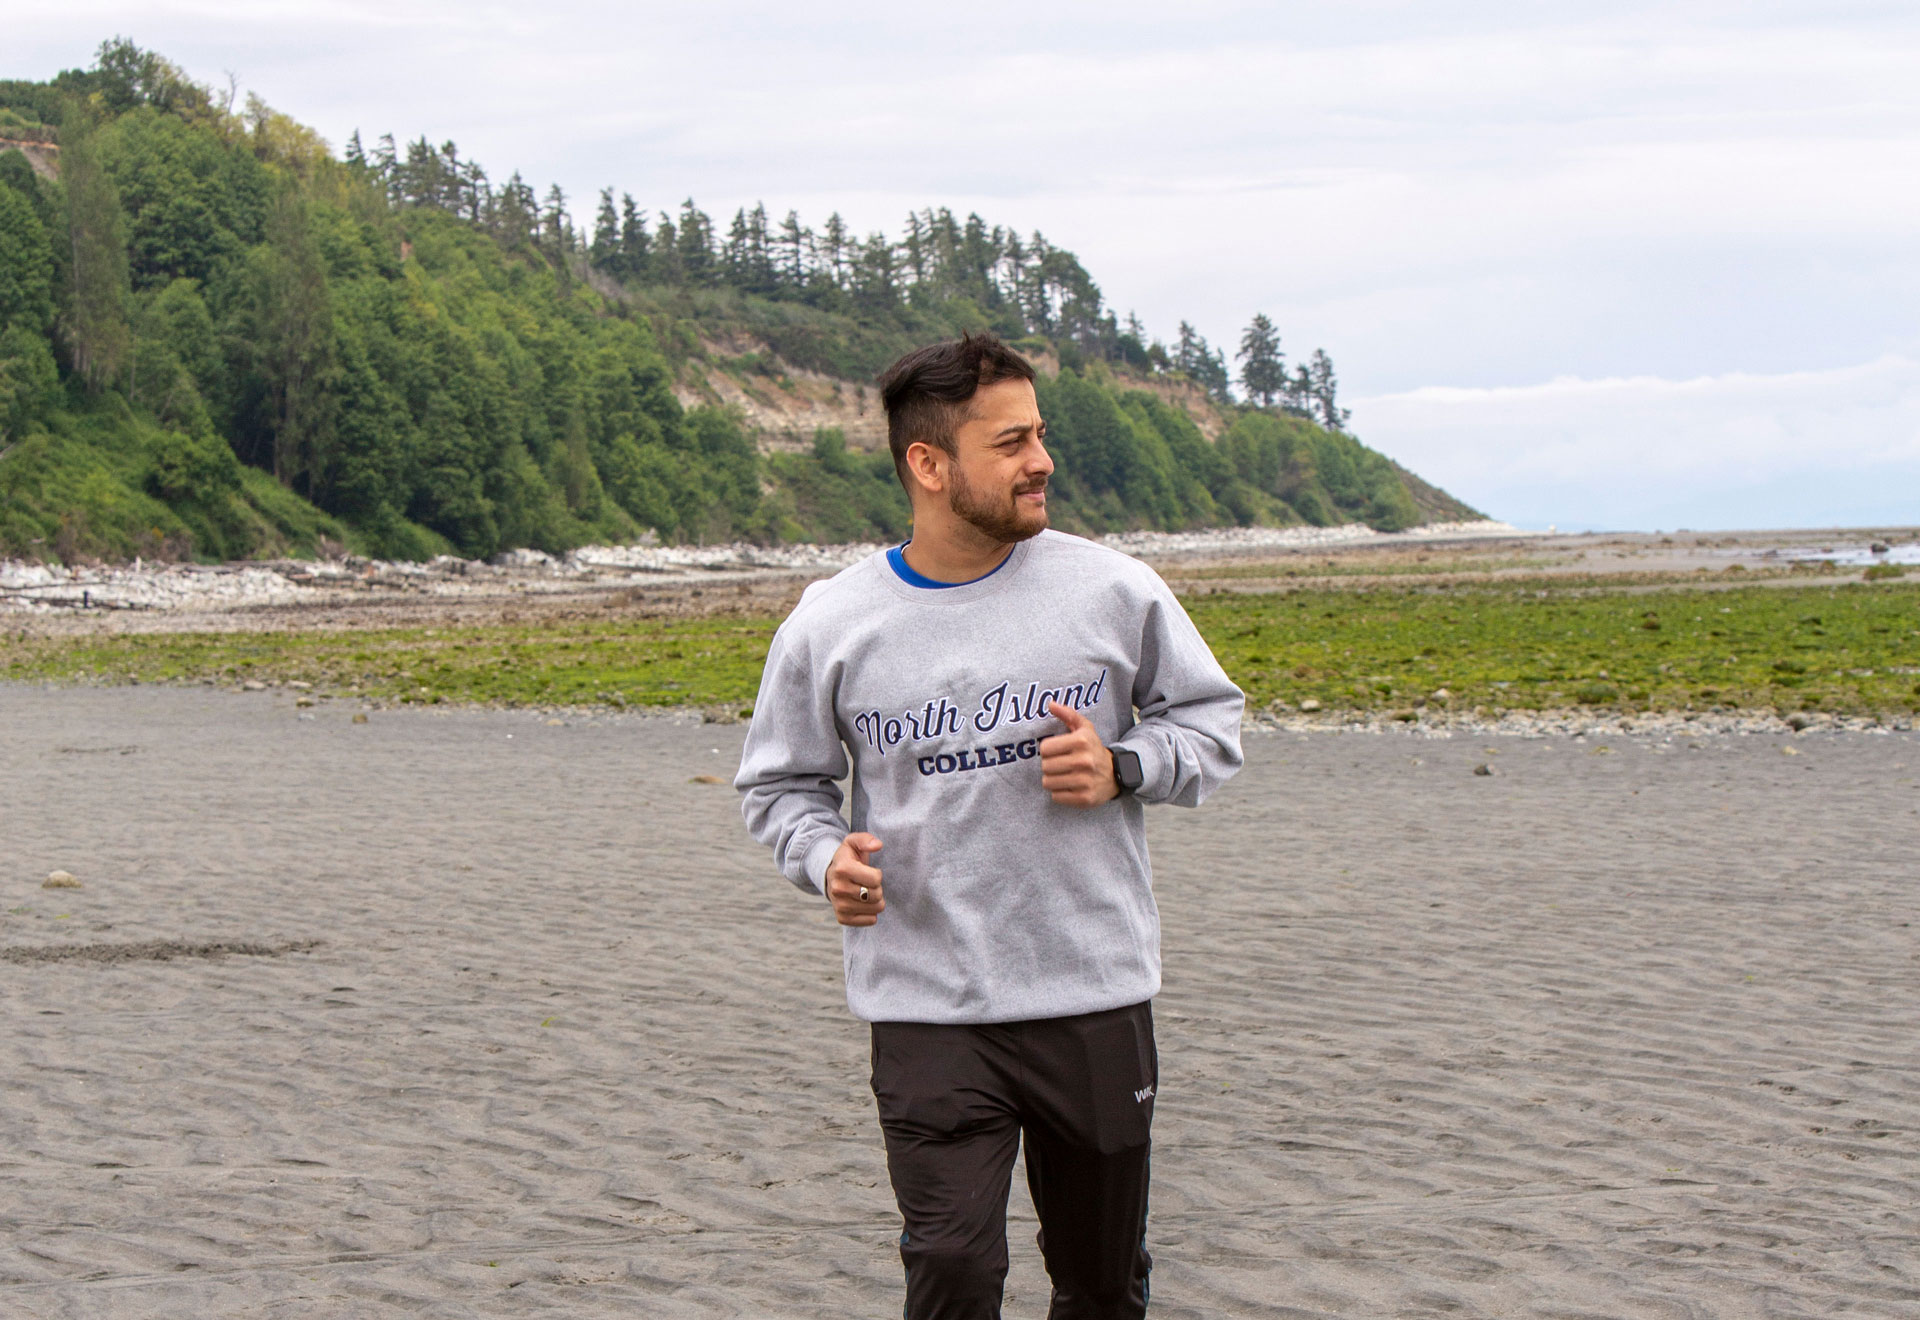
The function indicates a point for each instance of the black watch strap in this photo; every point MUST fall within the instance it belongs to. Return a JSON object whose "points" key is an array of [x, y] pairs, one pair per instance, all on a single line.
{"points": [[1126, 769]]}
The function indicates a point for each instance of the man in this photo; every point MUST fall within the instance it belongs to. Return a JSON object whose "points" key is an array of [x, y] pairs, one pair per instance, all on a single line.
{"points": [[1006, 698]]}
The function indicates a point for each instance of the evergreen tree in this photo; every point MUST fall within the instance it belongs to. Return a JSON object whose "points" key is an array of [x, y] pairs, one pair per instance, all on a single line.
{"points": [[666, 251], [635, 255], [1323, 390], [698, 265], [835, 250], [796, 251], [26, 265], [1263, 373], [607, 253]]}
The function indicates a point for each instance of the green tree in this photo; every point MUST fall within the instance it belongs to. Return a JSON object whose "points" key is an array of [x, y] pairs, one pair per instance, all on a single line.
{"points": [[606, 254], [636, 257], [1323, 390], [1263, 373], [95, 321], [295, 340], [29, 381], [695, 246], [26, 265]]}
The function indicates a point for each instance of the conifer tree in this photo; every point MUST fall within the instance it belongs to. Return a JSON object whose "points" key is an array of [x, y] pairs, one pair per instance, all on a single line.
{"points": [[606, 253], [1263, 373], [666, 251], [635, 255], [835, 245], [1323, 390], [796, 251], [695, 243]]}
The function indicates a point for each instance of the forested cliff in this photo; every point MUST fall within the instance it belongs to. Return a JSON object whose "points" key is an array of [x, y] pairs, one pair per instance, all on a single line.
{"points": [[218, 339]]}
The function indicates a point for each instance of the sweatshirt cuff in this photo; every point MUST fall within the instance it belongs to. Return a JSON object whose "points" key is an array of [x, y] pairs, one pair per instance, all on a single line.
{"points": [[818, 856], [1156, 770]]}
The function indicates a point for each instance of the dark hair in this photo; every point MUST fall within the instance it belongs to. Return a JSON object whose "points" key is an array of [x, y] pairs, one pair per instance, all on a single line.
{"points": [[927, 391]]}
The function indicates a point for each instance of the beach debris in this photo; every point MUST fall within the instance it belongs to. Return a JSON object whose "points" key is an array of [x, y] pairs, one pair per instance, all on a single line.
{"points": [[60, 880], [148, 951], [1483, 769], [706, 779], [1789, 751], [1601, 750], [555, 724], [361, 718]]}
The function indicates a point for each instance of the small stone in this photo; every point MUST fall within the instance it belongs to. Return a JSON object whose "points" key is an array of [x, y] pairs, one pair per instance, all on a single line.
{"points": [[555, 724], [361, 718], [1483, 769], [60, 880], [1310, 705], [1789, 751], [1441, 694], [304, 701], [706, 779], [253, 685], [297, 685], [1798, 722]]}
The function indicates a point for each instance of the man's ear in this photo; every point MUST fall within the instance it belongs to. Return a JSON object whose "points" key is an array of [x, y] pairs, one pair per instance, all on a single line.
{"points": [[927, 465]]}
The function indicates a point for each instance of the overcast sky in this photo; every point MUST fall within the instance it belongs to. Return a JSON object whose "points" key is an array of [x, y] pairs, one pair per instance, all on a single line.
{"points": [[1627, 265]]}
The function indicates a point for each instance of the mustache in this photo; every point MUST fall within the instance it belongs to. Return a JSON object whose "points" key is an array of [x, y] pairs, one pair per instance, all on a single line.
{"points": [[1029, 487]]}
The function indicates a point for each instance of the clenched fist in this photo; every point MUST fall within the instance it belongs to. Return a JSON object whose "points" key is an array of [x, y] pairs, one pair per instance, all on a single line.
{"points": [[853, 887], [1075, 766]]}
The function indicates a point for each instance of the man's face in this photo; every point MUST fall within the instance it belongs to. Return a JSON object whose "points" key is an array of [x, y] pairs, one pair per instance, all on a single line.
{"points": [[998, 476]]}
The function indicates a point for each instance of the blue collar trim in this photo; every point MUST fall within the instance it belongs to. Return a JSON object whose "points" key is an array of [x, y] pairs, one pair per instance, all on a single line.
{"points": [[897, 560]]}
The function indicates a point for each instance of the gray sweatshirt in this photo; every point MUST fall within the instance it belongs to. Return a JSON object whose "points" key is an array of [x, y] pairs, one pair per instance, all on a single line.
{"points": [[1001, 905]]}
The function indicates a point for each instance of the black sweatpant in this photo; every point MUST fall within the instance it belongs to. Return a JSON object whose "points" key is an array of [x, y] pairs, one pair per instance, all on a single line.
{"points": [[954, 1103]]}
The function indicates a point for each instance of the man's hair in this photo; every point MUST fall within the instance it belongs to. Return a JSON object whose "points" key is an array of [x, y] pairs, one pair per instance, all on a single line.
{"points": [[926, 392]]}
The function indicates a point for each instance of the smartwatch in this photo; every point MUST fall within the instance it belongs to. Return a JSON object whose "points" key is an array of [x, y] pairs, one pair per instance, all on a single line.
{"points": [[1126, 769]]}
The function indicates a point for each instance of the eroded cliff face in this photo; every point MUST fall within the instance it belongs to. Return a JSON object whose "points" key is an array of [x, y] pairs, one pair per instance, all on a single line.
{"points": [[784, 405]]}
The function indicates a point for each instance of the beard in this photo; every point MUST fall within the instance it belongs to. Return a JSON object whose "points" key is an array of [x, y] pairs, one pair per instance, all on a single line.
{"points": [[1000, 518]]}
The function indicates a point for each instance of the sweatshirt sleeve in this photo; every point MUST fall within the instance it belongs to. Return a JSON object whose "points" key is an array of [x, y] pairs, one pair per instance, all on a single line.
{"points": [[792, 757], [1188, 735]]}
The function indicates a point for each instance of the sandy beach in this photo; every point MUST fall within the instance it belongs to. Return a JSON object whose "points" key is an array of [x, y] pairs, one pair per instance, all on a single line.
{"points": [[454, 1013]]}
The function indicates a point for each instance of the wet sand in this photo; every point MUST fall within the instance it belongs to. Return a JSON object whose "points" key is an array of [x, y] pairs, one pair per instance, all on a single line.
{"points": [[464, 1013]]}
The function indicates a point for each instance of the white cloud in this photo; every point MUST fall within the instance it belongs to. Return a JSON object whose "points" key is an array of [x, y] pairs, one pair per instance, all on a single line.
{"points": [[1636, 451], [1667, 204]]}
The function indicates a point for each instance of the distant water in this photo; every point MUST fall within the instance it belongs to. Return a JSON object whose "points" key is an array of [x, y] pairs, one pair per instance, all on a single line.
{"points": [[1855, 556]]}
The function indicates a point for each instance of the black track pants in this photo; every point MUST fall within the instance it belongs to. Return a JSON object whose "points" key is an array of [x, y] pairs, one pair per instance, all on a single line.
{"points": [[954, 1104]]}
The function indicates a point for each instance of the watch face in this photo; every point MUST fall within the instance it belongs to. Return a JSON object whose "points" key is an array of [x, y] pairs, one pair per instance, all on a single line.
{"points": [[1126, 769]]}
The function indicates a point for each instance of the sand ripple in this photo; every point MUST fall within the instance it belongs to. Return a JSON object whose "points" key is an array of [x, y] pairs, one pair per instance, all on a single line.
{"points": [[523, 1023]]}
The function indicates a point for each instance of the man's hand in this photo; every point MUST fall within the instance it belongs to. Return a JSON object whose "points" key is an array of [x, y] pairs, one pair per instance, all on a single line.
{"points": [[853, 887], [1075, 766]]}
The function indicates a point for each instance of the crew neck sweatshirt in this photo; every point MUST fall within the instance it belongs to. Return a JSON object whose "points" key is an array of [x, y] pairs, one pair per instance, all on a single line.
{"points": [[1001, 904]]}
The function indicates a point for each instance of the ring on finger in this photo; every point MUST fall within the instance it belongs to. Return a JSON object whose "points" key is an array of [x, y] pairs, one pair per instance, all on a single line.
{"points": [[863, 893]]}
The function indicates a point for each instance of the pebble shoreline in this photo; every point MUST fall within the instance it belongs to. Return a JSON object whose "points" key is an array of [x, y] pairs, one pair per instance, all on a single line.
{"points": [[143, 586]]}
